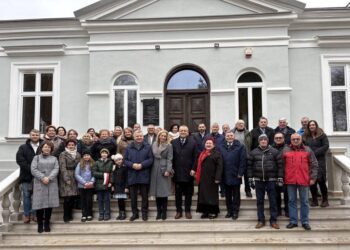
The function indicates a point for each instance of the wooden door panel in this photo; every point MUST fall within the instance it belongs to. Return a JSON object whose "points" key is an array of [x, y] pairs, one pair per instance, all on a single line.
{"points": [[198, 111], [174, 111]]}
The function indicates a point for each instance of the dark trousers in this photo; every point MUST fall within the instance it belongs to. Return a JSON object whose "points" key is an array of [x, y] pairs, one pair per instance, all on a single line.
{"points": [[323, 188], [68, 205], [283, 190], [162, 204], [186, 189], [270, 188], [233, 198], [86, 201], [44, 213], [104, 203], [246, 183], [121, 205], [143, 189]]}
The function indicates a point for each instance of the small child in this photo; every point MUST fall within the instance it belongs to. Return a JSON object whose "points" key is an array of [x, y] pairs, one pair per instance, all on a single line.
{"points": [[119, 179], [101, 171], [86, 181]]}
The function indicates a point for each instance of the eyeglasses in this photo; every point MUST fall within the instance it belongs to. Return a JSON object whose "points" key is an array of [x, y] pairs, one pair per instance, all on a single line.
{"points": [[296, 139], [278, 138]]}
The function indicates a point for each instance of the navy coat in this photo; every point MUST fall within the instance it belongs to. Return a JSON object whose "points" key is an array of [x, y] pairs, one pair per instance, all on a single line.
{"points": [[144, 156], [235, 162], [184, 158], [199, 140]]}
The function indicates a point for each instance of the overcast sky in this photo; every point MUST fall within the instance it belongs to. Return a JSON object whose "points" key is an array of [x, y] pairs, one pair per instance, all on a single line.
{"points": [[26, 9]]}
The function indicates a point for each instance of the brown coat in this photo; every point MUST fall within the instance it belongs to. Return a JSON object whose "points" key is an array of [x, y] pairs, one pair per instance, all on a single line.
{"points": [[68, 184]]}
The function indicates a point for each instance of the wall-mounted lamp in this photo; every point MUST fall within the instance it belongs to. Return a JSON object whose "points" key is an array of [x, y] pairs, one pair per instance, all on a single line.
{"points": [[157, 47], [216, 45], [248, 52]]}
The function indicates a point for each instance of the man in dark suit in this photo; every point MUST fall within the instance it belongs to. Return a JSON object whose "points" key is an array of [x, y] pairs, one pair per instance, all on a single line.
{"points": [[199, 136], [184, 157], [151, 136], [261, 129]]}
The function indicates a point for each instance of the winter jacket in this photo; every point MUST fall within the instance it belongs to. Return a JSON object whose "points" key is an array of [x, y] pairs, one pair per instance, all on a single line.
{"points": [[234, 162], [265, 164], [108, 144], [24, 158], [319, 146], [58, 143], [256, 132], [184, 158], [247, 138], [98, 170], [119, 179], [199, 140], [142, 155], [83, 176], [300, 165]]}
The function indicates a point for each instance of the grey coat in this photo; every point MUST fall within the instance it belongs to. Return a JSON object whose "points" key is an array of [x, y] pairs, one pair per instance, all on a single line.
{"points": [[45, 196], [160, 185], [67, 168]]}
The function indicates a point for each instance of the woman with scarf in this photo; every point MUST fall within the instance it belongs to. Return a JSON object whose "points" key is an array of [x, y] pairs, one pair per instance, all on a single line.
{"points": [[317, 140], [208, 173], [105, 142], [68, 160], [162, 170]]}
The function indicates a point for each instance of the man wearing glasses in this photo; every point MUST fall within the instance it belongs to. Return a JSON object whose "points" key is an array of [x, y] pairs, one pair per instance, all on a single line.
{"points": [[279, 144], [300, 172]]}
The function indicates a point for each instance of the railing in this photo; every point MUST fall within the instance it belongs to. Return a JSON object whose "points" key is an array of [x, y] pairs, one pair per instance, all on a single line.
{"points": [[339, 169], [9, 191]]}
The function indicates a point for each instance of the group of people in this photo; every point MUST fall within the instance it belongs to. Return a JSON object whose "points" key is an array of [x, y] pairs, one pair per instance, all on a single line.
{"points": [[125, 162]]}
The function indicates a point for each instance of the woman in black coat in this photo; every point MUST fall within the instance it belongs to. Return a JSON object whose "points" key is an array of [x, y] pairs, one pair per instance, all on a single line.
{"points": [[317, 140], [208, 171]]}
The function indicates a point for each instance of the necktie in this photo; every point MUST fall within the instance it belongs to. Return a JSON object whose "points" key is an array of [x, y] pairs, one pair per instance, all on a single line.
{"points": [[182, 141]]}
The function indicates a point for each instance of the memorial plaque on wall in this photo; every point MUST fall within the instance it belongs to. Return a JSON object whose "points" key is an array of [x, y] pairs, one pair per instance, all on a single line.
{"points": [[150, 112]]}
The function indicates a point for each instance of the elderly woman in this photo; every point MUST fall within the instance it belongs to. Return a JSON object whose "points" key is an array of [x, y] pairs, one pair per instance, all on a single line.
{"points": [[45, 169], [208, 172], [317, 140], [162, 170], [68, 160]]}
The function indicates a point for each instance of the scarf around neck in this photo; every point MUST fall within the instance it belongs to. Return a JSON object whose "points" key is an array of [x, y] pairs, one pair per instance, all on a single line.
{"points": [[72, 153], [205, 153], [158, 149]]}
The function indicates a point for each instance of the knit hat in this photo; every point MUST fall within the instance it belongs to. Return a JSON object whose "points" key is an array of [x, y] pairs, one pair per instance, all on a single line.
{"points": [[104, 150], [263, 136], [117, 157], [86, 152]]}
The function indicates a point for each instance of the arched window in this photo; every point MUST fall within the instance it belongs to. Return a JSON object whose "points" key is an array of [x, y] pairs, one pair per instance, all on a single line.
{"points": [[187, 79], [125, 100], [250, 108]]}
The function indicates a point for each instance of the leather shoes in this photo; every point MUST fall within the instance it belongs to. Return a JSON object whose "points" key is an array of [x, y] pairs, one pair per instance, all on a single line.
{"points": [[134, 217], [306, 227], [291, 225], [26, 219], [248, 194], [204, 216], [234, 216], [228, 215], [260, 225], [178, 215], [275, 225], [188, 215]]}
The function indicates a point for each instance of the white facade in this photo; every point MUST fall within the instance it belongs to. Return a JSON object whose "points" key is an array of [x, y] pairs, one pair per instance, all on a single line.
{"points": [[293, 50]]}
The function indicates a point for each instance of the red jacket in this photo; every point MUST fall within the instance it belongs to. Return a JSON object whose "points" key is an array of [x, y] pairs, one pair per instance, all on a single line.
{"points": [[300, 165]]}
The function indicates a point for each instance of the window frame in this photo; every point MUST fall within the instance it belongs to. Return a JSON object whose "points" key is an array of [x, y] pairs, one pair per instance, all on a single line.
{"points": [[125, 88], [328, 61], [18, 69], [250, 86]]}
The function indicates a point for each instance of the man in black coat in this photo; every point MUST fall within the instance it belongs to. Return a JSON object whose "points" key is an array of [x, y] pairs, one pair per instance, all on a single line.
{"points": [[261, 129], [184, 157], [200, 135], [24, 158], [284, 129]]}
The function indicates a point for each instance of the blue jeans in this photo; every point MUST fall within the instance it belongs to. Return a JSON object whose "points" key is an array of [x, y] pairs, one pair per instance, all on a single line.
{"points": [[270, 188], [27, 198], [104, 199], [293, 206]]}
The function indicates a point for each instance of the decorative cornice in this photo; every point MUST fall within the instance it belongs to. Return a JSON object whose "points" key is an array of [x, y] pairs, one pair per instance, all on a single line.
{"points": [[279, 90], [147, 94], [303, 43], [37, 50], [189, 23], [97, 93], [334, 41], [219, 92]]}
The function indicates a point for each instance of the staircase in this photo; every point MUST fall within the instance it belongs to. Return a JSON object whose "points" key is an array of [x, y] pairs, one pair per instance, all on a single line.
{"points": [[330, 230]]}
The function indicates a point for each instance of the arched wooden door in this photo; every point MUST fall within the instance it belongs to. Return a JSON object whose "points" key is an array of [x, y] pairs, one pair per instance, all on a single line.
{"points": [[187, 98]]}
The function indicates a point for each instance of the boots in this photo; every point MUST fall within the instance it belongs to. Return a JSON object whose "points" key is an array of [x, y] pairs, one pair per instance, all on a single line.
{"points": [[324, 201], [122, 215], [40, 227], [159, 215], [314, 201]]}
